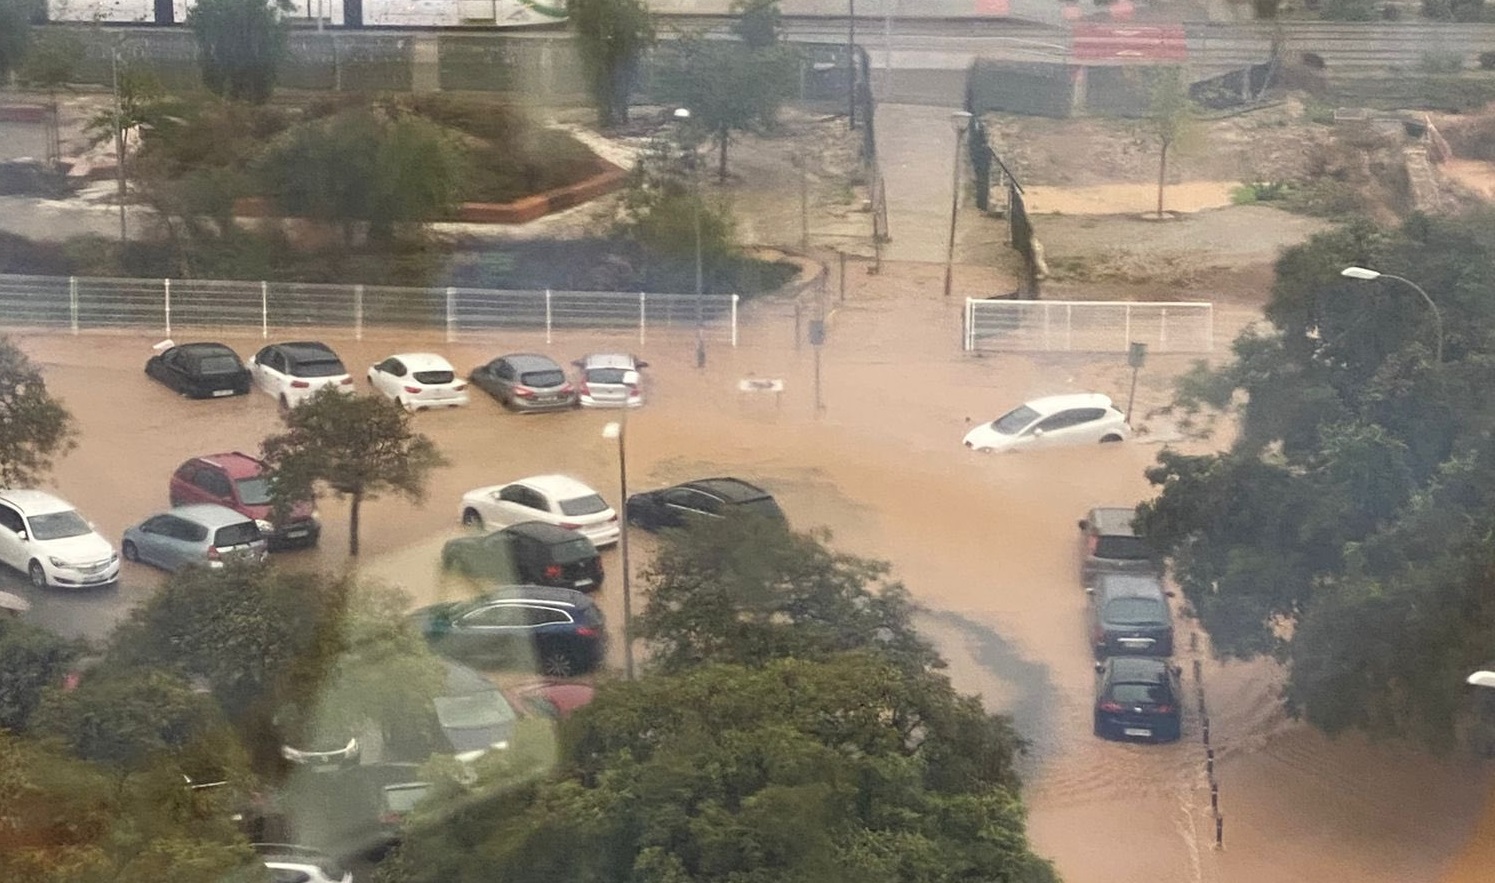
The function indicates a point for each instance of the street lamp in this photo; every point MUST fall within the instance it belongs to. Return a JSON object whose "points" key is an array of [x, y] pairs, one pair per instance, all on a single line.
{"points": [[1365, 275], [959, 120], [682, 114], [610, 431]]}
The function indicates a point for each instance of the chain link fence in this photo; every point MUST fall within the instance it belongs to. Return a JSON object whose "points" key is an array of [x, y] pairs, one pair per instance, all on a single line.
{"points": [[1088, 326]]}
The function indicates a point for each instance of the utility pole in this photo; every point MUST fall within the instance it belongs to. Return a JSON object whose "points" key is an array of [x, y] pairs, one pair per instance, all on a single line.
{"points": [[851, 64], [817, 338], [119, 144], [804, 201]]}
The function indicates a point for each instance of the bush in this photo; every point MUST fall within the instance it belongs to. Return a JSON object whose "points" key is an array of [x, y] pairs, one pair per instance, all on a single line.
{"points": [[1487, 61], [1433, 62], [1350, 10], [1260, 191]]}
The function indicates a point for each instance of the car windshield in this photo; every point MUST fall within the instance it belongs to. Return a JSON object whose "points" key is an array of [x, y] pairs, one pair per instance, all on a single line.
{"points": [[591, 504], [1139, 694], [240, 534], [1136, 611], [542, 379], [433, 378], [58, 525], [1118, 548], [254, 491], [606, 375], [1015, 421], [319, 368], [219, 365], [572, 551], [473, 711], [402, 798], [765, 507]]}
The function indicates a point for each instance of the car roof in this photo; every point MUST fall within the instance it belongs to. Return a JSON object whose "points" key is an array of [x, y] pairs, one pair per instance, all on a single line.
{"points": [[209, 514], [1129, 585], [1054, 404], [1115, 520], [1138, 669], [34, 502], [236, 463], [307, 350], [423, 361], [543, 594], [561, 487], [609, 360], [544, 531], [531, 362], [207, 348], [733, 490]]}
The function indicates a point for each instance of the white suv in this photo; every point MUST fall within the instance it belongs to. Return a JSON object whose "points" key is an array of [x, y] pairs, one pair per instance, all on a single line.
{"points": [[46, 539]]}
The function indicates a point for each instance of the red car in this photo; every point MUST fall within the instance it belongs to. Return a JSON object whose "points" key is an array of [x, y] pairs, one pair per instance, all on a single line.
{"points": [[553, 699], [237, 480]]}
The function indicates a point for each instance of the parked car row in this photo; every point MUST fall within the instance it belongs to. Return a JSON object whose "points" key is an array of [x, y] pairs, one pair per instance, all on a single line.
{"points": [[291, 372], [1137, 692]]}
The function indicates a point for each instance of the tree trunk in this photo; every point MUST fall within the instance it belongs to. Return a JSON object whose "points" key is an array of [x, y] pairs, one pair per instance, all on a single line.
{"points": [[353, 524], [721, 155], [1162, 177]]}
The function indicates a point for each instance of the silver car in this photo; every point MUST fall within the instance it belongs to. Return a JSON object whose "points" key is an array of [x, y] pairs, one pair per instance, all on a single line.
{"points": [[610, 380], [526, 382], [202, 533]]}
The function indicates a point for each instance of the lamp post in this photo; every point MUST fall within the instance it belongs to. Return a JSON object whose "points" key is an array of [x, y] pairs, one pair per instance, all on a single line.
{"points": [[610, 431], [1366, 275], [682, 114], [959, 121]]}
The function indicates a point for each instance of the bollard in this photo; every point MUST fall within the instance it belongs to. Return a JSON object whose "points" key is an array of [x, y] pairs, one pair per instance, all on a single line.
{"points": [[1206, 730], [1219, 830], [1214, 798], [1198, 669], [1194, 645], [1209, 764], [796, 327]]}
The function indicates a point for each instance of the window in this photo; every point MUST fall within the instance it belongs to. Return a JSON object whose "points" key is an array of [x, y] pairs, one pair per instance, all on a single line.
{"points": [[213, 482], [218, 364], [686, 498], [547, 616], [1120, 548], [1062, 420], [58, 525], [572, 551], [588, 505], [241, 534], [501, 616], [501, 368], [473, 711], [254, 491], [1139, 694], [1136, 611], [543, 378], [432, 378], [156, 525], [184, 530], [1014, 421], [520, 495], [271, 358], [393, 367], [10, 519], [606, 375], [319, 368]]}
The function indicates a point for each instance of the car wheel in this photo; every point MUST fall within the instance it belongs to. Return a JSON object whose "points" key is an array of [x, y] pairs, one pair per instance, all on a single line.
{"points": [[1109, 439], [37, 574], [558, 664], [129, 551], [471, 518]]}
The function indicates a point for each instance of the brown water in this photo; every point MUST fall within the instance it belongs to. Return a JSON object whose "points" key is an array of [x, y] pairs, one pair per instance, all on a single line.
{"points": [[987, 543]]}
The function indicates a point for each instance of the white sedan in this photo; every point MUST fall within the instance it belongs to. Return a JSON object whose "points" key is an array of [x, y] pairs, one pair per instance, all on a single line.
{"points": [[419, 380], [556, 499], [1082, 418]]}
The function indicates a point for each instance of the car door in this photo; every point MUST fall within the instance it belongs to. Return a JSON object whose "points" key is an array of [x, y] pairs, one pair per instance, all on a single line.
{"points": [[175, 370], [1085, 425], [551, 633], [524, 503], [389, 377], [268, 369], [155, 540], [13, 549], [214, 487], [499, 632], [1053, 429], [529, 559]]}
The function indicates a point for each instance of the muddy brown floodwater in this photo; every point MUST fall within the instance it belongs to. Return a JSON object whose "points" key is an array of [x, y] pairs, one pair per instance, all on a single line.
{"points": [[986, 543]]}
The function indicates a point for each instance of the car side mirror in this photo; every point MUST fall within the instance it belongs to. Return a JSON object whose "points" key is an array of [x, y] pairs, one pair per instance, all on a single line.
{"points": [[1084, 524], [1038, 433], [21, 535], [1090, 590]]}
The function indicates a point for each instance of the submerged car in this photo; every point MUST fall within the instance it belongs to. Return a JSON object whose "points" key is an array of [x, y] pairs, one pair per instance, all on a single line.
{"points": [[1082, 418], [1110, 544], [419, 380], [45, 538], [474, 715], [610, 380], [199, 370], [1129, 614], [1137, 697], [556, 632], [237, 480], [554, 499], [526, 382], [198, 534], [706, 498], [292, 372], [531, 552]]}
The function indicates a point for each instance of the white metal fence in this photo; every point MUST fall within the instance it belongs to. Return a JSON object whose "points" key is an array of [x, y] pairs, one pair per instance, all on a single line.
{"points": [[1088, 326], [82, 303]]}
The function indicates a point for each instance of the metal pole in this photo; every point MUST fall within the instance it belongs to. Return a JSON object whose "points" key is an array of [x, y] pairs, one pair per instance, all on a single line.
{"points": [[119, 144], [72, 298], [623, 546], [358, 313], [734, 320], [954, 205], [166, 291], [264, 310], [887, 39], [643, 319], [851, 64], [804, 203], [451, 316], [1131, 396], [1437, 313], [700, 316], [547, 316]]}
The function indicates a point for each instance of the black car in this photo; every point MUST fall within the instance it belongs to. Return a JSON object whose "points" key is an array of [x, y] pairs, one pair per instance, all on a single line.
{"points": [[200, 370], [1109, 544], [1137, 697], [526, 382], [1129, 614], [558, 632], [532, 552], [704, 498]]}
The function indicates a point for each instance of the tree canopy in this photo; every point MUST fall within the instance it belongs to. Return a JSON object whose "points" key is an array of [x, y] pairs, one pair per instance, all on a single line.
{"points": [[32, 660], [240, 45], [611, 36], [356, 446], [1346, 529], [35, 428], [15, 34]]}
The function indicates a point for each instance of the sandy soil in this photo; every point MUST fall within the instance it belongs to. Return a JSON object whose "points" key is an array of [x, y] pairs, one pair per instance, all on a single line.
{"points": [[1105, 199], [987, 544]]}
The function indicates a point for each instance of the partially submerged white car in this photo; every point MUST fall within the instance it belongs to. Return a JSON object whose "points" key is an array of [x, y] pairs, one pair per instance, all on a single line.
{"points": [[1076, 419], [419, 380]]}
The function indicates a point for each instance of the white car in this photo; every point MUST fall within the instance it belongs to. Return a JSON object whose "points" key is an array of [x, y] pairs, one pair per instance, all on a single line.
{"points": [[555, 499], [610, 380], [46, 539], [419, 380], [292, 372], [1081, 418], [300, 864]]}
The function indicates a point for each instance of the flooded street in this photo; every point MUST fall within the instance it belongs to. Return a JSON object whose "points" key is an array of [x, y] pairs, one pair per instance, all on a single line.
{"points": [[986, 543]]}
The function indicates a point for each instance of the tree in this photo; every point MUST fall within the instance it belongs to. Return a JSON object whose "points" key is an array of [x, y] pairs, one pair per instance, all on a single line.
{"points": [[31, 660], [358, 446], [729, 87], [612, 36], [35, 428], [240, 45], [747, 591], [849, 769], [363, 166], [1169, 118], [126, 719], [15, 34], [759, 22], [1346, 529]]}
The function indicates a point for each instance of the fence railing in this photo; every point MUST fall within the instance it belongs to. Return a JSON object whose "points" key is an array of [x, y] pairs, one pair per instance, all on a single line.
{"points": [[80, 303], [1088, 326]]}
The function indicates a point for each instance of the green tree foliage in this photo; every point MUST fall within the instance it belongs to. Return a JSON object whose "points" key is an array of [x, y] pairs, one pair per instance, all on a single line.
{"points": [[31, 661], [127, 720], [1346, 530], [664, 208], [365, 166], [1350, 10], [35, 428], [240, 45], [759, 23], [612, 37], [15, 34], [851, 769], [729, 87], [1454, 10], [747, 591], [359, 447], [1170, 116]]}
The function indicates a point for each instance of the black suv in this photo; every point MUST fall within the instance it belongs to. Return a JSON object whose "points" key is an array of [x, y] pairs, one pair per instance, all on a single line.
{"points": [[682, 504], [1108, 544], [532, 552], [1129, 615], [1137, 697], [558, 632]]}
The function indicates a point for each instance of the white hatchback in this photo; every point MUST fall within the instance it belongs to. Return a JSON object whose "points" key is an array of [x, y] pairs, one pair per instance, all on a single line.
{"points": [[1081, 418], [45, 538], [419, 380], [555, 499], [292, 372]]}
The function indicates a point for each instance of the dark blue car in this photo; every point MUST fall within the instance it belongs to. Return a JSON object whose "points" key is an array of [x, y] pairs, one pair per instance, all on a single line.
{"points": [[1137, 697], [552, 631]]}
